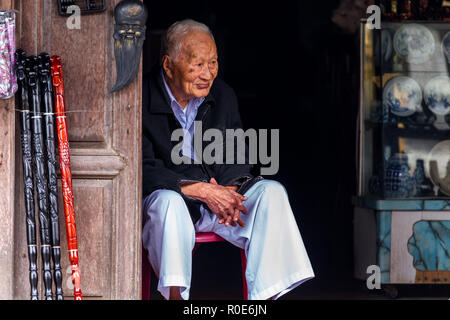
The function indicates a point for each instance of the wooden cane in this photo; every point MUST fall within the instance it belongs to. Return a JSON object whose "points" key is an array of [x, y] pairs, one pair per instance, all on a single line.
{"points": [[32, 64], [66, 173], [47, 101], [28, 177]]}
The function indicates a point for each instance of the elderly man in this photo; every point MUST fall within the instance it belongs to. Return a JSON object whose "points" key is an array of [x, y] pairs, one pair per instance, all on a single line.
{"points": [[182, 199]]}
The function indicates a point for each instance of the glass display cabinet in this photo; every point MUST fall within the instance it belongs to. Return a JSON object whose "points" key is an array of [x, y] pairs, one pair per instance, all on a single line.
{"points": [[402, 209]]}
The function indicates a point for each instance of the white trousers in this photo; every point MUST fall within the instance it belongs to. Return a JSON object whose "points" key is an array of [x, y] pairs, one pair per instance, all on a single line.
{"points": [[277, 260]]}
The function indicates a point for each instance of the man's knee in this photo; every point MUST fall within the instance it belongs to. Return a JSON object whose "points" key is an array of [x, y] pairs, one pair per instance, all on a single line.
{"points": [[163, 196], [272, 189], [164, 201]]}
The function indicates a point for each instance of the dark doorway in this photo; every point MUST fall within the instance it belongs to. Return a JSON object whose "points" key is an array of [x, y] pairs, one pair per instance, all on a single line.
{"points": [[292, 70]]}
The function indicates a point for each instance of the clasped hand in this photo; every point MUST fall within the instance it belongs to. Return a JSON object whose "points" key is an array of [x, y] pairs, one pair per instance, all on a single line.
{"points": [[224, 201]]}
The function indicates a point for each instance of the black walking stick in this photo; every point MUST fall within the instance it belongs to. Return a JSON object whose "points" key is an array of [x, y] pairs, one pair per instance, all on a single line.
{"points": [[27, 162], [49, 116], [40, 169]]}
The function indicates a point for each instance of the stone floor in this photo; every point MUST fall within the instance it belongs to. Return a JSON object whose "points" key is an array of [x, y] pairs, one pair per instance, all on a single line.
{"points": [[353, 290], [211, 281], [315, 289], [357, 290]]}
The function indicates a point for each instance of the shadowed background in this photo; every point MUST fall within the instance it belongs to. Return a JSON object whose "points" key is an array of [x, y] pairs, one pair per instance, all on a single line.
{"points": [[295, 70], [292, 70]]}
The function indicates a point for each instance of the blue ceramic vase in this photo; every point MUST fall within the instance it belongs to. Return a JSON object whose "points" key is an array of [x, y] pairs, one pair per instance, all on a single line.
{"points": [[397, 180]]}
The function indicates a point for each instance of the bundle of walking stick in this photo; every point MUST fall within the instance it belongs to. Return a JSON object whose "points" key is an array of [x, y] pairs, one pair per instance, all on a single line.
{"points": [[41, 105]]}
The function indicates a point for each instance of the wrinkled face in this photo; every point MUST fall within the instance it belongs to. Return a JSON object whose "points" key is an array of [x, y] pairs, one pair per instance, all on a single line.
{"points": [[192, 72]]}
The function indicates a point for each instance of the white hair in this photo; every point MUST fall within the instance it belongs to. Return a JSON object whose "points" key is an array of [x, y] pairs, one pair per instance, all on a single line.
{"points": [[172, 40]]}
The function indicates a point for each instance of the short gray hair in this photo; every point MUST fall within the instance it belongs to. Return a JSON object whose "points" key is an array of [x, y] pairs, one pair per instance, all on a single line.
{"points": [[173, 37]]}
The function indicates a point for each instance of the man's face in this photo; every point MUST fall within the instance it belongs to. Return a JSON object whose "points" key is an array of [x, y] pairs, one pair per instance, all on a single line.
{"points": [[193, 71]]}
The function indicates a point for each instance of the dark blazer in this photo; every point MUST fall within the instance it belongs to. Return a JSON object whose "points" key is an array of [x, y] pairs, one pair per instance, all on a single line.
{"points": [[219, 110]]}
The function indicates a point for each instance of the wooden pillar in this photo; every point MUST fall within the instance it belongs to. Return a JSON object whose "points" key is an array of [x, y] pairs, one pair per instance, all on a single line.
{"points": [[7, 197], [105, 142]]}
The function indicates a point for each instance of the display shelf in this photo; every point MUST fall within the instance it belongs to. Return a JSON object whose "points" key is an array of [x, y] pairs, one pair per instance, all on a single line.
{"points": [[402, 209]]}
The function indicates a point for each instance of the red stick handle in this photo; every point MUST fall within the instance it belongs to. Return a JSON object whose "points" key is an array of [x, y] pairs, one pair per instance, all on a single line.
{"points": [[66, 172]]}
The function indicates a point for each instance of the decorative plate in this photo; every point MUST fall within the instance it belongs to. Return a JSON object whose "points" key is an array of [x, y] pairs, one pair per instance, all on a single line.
{"points": [[446, 45], [402, 95], [437, 95], [414, 42]]}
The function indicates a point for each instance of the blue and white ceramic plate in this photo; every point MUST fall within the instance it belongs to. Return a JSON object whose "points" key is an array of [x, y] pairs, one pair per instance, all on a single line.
{"points": [[414, 42], [402, 95], [446, 45], [437, 95]]}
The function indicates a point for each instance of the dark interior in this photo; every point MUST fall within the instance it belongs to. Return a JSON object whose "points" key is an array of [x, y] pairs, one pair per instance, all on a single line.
{"points": [[294, 70]]}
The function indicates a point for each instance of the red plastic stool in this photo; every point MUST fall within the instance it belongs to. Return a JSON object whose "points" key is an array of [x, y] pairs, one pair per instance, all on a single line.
{"points": [[200, 237]]}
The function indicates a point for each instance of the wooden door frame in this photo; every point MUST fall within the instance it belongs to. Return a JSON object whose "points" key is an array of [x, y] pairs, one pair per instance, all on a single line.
{"points": [[120, 161], [7, 183]]}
